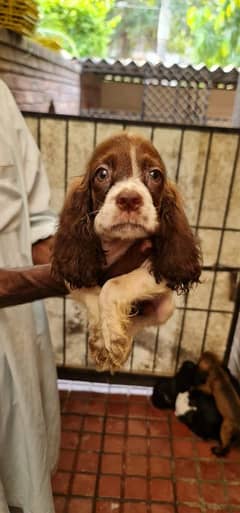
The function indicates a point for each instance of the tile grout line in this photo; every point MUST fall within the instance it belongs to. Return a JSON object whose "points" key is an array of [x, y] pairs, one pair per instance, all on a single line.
{"points": [[101, 451], [172, 463], [74, 464], [123, 473]]}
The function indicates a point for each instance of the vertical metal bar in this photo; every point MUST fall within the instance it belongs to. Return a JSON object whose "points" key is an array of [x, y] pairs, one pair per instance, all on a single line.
{"points": [[196, 231], [232, 327], [65, 190], [221, 241]]}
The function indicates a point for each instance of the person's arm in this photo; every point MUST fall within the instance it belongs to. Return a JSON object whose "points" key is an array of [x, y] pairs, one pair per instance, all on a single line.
{"points": [[27, 284], [23, 285]]}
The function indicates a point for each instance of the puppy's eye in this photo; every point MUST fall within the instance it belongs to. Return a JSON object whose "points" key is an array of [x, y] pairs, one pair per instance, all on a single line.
{"points": [[155, 175], [102, 174]]}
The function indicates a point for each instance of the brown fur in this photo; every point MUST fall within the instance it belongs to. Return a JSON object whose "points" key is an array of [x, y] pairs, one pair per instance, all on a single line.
{"points": [[227, 400], [78, 256]]}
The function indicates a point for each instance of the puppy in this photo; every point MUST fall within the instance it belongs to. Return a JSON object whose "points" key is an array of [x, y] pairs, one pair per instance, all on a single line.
{"points": [[124, 197], [213, 380]]}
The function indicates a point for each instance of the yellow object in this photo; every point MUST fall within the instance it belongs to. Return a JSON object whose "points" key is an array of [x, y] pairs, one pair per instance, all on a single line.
{"points": [[18, 15], [48, 42]]}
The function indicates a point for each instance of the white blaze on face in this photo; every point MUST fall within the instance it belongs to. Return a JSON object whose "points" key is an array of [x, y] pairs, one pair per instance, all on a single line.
{"points": [[113, 222], [133, 155], [182, 405]]}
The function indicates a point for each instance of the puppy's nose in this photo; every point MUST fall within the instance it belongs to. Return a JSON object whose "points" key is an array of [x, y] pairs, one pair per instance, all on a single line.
{"points": [[129, 200]]}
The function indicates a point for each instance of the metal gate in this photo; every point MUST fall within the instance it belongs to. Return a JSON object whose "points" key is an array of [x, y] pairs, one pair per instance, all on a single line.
{"points": [[205, 162]]}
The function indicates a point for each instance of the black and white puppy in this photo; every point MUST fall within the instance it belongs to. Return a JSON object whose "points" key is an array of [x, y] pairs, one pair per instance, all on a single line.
{"points": [[192, 407]]}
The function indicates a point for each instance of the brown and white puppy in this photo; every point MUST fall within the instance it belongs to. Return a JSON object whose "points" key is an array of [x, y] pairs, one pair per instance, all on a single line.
{"points": [[215, 381], [124, 196]]}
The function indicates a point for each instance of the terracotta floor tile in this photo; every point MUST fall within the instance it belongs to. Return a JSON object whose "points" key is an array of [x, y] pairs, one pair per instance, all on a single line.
{"points": [[213, 493], [71, 422], [84, 484], [69, 440], [161, 490], [210, 470], [234, 454], [137, 427], [117, 409], [146, 450], [121, 398], [160, 446], [107, 506], [93, 424], [162, 508], [180, 429], [136, 465], [80, 506], [231, 471], [87, 462], [160, 467], [60, 483], [159, 427], [233, 492], [137, 409], [113, 443], [135, 488], [182, 448], [77, 405], [156, 413], [185, 469], [97, 407], [188, 509], [66, 459], [135, 507], [111, 464], [59, 503], [204, 449], [187, 491], [90, 442], [109, 486], [136, 444], [115, 425], [63, 395]]}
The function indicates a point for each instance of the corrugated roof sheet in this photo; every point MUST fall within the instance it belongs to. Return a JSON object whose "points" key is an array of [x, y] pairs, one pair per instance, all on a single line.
{"points": [[160, 71]]}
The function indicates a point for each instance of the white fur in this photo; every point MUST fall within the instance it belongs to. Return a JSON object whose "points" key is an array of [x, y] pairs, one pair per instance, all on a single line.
{"points": [[182, 405], [114, 223]]}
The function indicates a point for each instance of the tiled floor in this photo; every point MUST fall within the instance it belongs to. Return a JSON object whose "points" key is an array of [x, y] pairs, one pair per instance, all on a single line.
{"points": [[121, 455]]}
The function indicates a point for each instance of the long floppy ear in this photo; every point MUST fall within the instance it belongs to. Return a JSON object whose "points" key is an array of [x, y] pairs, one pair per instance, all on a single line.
{"points": [[176, 252], [77, 253]]}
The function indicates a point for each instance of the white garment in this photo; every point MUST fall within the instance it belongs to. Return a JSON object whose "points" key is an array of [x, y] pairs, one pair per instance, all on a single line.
{"points": [[29, 406]]}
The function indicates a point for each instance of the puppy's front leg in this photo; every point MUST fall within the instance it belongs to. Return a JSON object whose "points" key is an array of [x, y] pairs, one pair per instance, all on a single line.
{"points": [[115, 301], [89, 297]]}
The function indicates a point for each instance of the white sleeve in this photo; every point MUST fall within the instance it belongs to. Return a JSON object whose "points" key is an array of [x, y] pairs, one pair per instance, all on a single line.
{"points": [[43, 221]]}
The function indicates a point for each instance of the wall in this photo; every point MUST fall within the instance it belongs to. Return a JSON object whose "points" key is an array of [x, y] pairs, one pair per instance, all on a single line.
{"points": [[206, 164], [41, 80]]}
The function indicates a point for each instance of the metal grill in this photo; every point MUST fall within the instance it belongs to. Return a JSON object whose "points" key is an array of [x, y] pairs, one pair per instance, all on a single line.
{"points": [[206, 165]]}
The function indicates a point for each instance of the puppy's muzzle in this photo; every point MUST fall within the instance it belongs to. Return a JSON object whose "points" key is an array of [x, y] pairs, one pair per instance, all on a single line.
{"points": [[129, 201]]}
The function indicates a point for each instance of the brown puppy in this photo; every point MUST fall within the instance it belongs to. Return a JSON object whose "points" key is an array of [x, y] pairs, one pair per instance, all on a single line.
{"points": [[215, 381]]}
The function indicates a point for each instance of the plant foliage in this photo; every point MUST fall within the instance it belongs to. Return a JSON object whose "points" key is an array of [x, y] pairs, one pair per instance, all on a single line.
{"points": [[82, 27]]}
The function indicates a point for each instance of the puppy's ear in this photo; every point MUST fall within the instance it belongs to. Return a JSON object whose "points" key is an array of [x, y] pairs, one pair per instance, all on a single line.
{"points": [[176, 252], [77, 253]]}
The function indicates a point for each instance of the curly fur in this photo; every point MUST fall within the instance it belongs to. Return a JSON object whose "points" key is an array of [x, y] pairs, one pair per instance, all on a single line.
{"points": [[176, 252], [77, 253]]}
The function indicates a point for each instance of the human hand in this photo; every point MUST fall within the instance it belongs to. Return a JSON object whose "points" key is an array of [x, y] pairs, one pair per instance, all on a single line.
{"points": [[42, 251]]}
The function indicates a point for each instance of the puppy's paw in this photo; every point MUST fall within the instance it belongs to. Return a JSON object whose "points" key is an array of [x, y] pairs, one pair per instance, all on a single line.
{"points": [[219, 451], [119, 351]]}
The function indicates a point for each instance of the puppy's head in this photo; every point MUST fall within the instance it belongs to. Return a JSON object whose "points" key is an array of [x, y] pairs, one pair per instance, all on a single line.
{"points": [[125, 195]]}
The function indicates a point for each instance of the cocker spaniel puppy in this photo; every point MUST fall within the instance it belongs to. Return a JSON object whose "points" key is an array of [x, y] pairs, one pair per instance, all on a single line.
{"points": [[124, 197]]}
